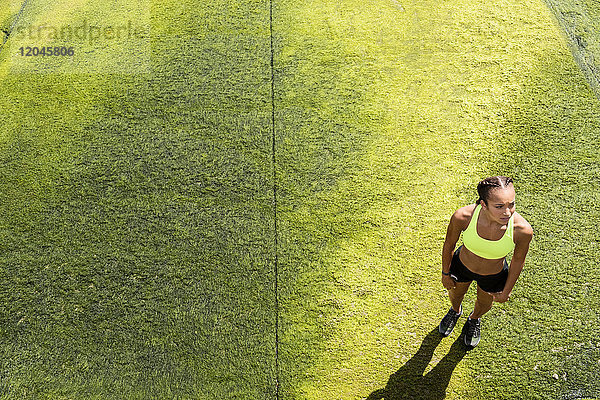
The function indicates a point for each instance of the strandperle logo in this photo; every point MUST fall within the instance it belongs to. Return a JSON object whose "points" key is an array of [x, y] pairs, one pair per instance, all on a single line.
{"points": [[82, 46], [81, 32]]}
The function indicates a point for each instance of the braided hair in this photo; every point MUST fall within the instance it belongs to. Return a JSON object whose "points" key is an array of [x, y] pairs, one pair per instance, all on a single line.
{"points": [[488, 184]]}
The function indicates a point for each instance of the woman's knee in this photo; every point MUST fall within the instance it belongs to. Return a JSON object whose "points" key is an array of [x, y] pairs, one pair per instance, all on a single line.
{"points": [[461, 288], [484, 297]]}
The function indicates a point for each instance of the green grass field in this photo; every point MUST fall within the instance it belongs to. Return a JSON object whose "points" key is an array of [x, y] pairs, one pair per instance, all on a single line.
{"points": [[155, 247]]}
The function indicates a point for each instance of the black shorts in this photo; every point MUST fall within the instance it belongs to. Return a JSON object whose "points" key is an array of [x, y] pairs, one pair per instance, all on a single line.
{"points": [[489, 283]]}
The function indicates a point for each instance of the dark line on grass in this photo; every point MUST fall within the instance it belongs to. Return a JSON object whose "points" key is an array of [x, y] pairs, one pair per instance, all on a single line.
{"points": [[274, 200], [8, 32]]}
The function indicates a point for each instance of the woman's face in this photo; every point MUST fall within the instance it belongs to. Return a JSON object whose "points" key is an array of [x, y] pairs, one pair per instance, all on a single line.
{"points": [[501, 204]]}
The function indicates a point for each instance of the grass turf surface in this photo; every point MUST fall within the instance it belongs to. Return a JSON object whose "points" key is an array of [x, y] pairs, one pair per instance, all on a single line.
{"points": [[138, 227], [580, 21], [397, 113]]}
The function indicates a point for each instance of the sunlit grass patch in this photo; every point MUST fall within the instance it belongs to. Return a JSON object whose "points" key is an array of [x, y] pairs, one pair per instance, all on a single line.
{"points": [[388, 118], [81, 37]]}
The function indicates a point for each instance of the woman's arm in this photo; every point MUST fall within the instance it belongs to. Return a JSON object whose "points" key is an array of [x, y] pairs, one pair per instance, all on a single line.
{"points": [[523, 236], [452, 234]]}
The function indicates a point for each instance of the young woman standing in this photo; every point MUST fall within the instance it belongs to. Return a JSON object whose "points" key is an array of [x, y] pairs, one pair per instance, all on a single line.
{"points": [[491, 230]]}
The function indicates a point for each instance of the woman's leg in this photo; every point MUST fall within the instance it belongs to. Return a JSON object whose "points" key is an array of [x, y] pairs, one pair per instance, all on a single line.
{"points": [[458, 294], [483, 303]]}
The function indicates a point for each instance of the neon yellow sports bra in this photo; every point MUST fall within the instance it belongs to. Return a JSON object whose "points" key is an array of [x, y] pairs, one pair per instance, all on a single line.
{"points": [[491, 249]]}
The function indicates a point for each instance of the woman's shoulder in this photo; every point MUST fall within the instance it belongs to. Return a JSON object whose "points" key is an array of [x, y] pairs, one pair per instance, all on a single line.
{"points": [[463, 215], [465, 212], [521, 227]]}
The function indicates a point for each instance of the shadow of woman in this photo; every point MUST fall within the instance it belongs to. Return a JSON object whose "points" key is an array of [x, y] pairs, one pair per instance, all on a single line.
{"points": [[409, 383]]}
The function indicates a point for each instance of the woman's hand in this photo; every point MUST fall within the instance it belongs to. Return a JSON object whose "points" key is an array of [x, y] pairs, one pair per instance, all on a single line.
{"points": [[448, 282], [500, 297]]}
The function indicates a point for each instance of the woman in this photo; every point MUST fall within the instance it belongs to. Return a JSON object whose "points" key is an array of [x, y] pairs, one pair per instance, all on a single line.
{"points": [[492, 229]]}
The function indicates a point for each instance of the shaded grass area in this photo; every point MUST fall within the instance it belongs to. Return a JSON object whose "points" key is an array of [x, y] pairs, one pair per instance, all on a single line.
{"points": [[136, 222], [387, 118]]}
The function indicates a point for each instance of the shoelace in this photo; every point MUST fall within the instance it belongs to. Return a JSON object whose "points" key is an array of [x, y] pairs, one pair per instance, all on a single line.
{"points": [[473, 328], [454, 313], [452, 317]]}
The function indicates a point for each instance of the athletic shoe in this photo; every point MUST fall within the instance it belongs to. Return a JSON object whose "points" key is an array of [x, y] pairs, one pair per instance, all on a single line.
{"points": [[472, 332], [448, 322]]}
